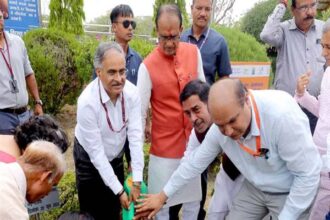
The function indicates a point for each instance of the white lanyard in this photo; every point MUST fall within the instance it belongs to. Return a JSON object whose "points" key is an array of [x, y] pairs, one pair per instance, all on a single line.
{"points": [[207, 35]]}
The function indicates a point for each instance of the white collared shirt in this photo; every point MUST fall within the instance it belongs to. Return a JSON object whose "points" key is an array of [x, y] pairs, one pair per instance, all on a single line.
{"points": [[102, 144], [293, 164]]}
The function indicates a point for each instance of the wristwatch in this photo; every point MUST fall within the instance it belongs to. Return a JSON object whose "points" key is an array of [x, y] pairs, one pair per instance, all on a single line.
{"points": [[38, 102]]}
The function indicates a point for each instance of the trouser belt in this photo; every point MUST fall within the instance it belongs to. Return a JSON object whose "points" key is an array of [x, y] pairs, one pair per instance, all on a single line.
{"points": [[16, 111]]}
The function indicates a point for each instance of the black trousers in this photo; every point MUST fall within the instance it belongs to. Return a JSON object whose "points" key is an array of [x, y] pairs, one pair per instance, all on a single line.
{"points": [[94, 196], [174, 210]]}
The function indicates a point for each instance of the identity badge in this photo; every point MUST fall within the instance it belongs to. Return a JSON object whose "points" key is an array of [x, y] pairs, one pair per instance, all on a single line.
{"points": [[13, 86]]}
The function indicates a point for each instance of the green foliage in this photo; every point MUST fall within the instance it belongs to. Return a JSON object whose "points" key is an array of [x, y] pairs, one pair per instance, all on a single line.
{"points": [[242, 46], [62, 65], [67, 15], [144, 25], [255, 19], [142, 46], [324, 15], [68, 197], [182, 6]]}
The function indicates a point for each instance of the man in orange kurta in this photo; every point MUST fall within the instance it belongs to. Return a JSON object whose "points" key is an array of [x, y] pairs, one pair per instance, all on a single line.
{"points": [[161, 78]]}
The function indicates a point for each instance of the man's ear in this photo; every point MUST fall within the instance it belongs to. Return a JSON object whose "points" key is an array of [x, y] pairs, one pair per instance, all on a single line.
{"points": [[45, 176], [113, 27], [98, 71]]}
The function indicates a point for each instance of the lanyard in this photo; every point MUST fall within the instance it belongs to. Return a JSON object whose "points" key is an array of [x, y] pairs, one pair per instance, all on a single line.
{"points": [[207, 35], [106, 111], [258, 151], [8, 62]]}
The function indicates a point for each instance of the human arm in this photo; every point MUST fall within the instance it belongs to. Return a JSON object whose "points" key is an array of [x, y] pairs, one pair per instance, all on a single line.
{"points": [[135, 139], [190, 168], [31, 83], [144, 85], [304, 98], [89, 136], [272, 33], [295, 146], [223, 61]]}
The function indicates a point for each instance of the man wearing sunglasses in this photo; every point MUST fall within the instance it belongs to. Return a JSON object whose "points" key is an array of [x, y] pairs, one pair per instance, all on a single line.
{"points": [[162, 76], [298, 44], [108, 113], [267, 137]]}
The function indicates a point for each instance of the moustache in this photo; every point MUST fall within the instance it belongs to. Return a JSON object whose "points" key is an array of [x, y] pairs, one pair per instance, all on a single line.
{"points": [[309, 18]]}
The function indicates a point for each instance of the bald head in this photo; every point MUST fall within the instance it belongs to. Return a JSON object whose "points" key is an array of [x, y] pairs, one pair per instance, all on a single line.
{"points": [[229, 107]]}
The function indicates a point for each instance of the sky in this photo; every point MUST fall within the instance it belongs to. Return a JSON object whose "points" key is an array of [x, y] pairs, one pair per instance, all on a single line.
{"points": [[95, 8]]}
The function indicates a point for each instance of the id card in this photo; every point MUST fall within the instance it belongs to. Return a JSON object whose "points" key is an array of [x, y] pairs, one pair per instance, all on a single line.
{"points": [[13, 86]]}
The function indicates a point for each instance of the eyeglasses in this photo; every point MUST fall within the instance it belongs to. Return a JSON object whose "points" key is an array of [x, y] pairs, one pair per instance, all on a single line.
{"points": [[126, 23], [304, 8], [169, 38]]}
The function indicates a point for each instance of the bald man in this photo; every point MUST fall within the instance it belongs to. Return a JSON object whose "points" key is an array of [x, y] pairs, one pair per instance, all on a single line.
{"points": [[266, 135]]}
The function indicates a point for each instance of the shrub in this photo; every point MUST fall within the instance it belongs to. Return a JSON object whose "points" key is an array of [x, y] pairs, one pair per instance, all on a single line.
{"points": [[61, 64], [142, 46], [242, 46]]}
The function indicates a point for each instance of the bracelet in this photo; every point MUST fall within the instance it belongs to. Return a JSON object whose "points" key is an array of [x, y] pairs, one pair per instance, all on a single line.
{"points": [[121, 193]]}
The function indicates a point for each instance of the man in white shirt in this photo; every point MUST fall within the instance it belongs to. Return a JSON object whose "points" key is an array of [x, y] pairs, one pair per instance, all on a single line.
{"points": [[29, 179], [109, 110], [194, 99], [267, 137]]}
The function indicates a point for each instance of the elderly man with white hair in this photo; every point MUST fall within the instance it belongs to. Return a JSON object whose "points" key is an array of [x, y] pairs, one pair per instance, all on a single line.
{"points": [[30, 178]]}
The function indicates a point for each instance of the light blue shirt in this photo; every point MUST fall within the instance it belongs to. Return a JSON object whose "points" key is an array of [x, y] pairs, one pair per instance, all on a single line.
{"points": [[292, 164]]}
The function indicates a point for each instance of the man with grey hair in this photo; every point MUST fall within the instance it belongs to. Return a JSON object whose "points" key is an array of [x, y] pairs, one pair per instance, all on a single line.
{"points": [[108, 111], [32, 177]]}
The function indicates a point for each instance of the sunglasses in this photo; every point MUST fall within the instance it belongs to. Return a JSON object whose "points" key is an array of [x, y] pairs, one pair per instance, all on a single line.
{"points": [[126, 23]]}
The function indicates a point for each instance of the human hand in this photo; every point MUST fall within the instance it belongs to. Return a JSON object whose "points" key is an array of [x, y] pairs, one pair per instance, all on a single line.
{"points": [[284, 2], [124, 201], [38, 110], [149, 205], [135, 193], [303, 81]]}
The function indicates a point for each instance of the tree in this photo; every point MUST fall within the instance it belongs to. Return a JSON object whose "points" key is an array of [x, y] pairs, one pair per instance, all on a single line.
{"points": [[181, 4], [67, 15], [221, 10], [255, 19]]}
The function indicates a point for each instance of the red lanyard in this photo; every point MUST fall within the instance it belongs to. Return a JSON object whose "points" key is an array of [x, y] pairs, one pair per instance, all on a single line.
{"points": [[106, 111], [258, 152], [8, 62]]}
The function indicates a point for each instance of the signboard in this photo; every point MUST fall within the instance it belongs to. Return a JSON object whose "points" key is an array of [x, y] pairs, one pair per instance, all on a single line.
{"points": [[254, 75], [48, 202], [23, 15]]}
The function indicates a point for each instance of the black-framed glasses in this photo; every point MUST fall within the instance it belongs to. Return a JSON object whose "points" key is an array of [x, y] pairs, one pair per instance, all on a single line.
{"points": [[169, 38], [126, 23]]}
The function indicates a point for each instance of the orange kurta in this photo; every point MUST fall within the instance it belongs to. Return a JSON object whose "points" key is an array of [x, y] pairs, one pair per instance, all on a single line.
{"points": [[169, 75]]}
